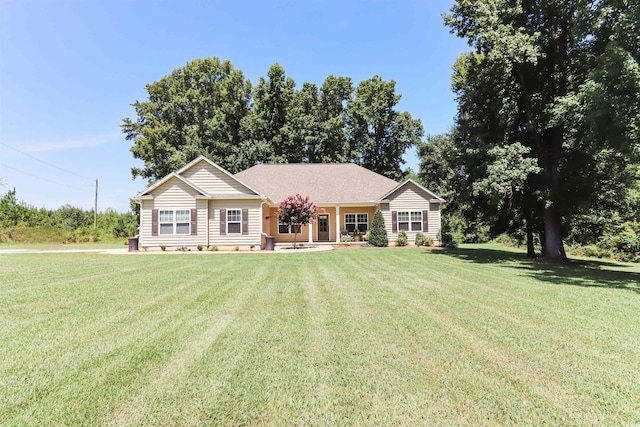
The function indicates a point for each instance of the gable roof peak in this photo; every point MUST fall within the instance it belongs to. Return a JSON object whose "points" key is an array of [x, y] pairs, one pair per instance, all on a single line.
{"points": [[202, 158], [169, 177], [436, 198]]}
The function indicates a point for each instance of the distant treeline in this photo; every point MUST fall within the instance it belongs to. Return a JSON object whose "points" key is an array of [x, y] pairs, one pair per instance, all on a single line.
{"points": [[20, 222]]}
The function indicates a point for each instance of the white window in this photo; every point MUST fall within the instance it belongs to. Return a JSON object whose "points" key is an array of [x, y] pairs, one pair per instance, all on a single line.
{"points": [[410, 221], [416, 221], [353, 222], [175, 222], [234, 221], [287, 229]]}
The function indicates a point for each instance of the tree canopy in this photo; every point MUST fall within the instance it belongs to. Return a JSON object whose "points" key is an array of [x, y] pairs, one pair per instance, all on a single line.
{"points": [[208, 108], [548, 110]]}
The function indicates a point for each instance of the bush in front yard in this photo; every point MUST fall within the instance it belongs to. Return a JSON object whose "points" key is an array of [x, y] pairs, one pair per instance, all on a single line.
{"points": [[377, 233], [402, 238]]}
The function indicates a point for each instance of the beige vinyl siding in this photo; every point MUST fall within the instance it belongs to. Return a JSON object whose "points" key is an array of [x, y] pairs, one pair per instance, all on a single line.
{"points": [[434, 221], [213, 181], [411, 198], [255, 223], [173, 195]]}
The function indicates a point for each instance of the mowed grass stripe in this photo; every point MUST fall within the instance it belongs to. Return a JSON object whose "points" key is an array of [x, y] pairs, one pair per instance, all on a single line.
{"points": [[149, 326], [198, 359], [360, 337], [90, 297], [446, 323], [586, 342]]}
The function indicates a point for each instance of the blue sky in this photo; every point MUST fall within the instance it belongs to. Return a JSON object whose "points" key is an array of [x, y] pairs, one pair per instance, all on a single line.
{"points": [[69, 71]]}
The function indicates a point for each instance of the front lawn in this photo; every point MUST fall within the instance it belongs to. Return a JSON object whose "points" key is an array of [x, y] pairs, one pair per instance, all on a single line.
{"points": [[475, 336]]}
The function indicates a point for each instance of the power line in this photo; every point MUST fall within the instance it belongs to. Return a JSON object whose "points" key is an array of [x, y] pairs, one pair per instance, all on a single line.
{"points": [[43, 161], [44, 179]]}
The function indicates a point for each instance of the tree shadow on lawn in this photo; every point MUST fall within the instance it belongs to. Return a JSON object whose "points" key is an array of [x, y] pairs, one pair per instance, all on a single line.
{"points": [[577, 272]]}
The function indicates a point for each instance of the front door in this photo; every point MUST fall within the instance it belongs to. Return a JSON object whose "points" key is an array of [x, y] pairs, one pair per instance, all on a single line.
{"points": [[323, 228]]}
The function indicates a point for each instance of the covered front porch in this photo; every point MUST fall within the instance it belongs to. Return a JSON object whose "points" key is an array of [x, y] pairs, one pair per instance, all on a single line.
{"points": [[334, 221]]}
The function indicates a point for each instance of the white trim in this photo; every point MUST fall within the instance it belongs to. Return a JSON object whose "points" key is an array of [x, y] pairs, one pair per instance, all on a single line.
{"points": [[409, 222], [289, 226], [437, 199], [328, 227], [356, 215], [226, 172], [174, 222], [235, 222], [338, 224]]}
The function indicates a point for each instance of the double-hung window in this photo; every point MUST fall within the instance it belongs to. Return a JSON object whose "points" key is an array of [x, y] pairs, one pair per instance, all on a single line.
{"points": [[175, 222], [234, 221], [288, 229], [410, 221], [353, 222]]}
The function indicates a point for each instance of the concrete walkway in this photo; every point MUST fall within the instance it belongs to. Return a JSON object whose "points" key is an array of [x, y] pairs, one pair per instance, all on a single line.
{"points": [[121, 251]]}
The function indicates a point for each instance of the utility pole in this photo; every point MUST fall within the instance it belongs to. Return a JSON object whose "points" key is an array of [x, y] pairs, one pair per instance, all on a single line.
{"points": [[95, 208]]}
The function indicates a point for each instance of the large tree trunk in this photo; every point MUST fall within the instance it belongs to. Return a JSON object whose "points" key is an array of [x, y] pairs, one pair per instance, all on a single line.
{"points": [[553, 140], [554, 248], [531, 252]]}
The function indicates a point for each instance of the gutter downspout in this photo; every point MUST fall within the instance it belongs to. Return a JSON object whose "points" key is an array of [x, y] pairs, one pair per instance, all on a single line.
{"points": [[262, 233]]}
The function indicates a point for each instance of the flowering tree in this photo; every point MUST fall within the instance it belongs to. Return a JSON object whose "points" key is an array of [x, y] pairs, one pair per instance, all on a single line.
{"points": [[296, 211]]}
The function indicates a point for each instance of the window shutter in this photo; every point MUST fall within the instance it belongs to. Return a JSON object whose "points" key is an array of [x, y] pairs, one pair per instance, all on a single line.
{"points": [[425, 221], [394, 221], [245, 221], [154, 222], [223, 222], [194, 222]]}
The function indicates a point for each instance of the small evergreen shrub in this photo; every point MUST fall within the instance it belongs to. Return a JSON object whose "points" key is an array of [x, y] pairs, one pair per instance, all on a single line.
{"points": [[163, 247], [402, 238], [213, 248], [420, 239], [378, 233], [199, 248]]}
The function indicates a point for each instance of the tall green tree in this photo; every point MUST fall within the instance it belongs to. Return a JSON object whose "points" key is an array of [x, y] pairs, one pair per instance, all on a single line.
{"points": [[534, 63], [379, 134], [332, 146], [197, 109], [303, 126], [269, 122]]}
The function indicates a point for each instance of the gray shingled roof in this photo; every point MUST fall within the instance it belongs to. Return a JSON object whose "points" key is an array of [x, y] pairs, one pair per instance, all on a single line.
{"points": [[322, 182]]}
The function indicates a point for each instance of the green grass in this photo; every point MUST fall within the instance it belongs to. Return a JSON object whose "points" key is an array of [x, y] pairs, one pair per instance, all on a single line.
{"points": [[475, 336]]}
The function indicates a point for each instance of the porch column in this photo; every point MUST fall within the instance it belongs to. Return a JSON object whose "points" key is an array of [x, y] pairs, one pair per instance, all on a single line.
{"points": [[337, 224], [310, 232]]}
